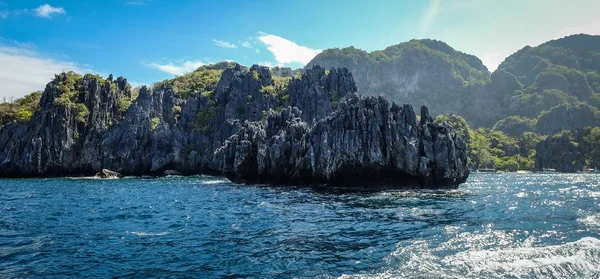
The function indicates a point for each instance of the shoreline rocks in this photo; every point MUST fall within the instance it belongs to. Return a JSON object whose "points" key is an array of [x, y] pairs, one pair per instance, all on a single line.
{"points": [[108, 174]]}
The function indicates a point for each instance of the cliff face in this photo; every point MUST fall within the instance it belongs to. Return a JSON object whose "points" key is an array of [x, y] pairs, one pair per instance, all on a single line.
{"points": [[237, 127], [365, 142], [559, 152], [65, 133], [568, 118]]}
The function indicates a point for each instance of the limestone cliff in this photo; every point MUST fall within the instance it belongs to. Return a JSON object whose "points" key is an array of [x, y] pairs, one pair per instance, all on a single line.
{"points": [[365, 142], [326, 135]]}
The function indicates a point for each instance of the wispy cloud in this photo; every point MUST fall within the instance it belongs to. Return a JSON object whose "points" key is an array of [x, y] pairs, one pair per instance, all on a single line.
{"points": [[3, 14], [429, 16], [177, 69], [246, 44], [47, 11], [286, 51], [269, 64], [224, 44], [24, 70]]}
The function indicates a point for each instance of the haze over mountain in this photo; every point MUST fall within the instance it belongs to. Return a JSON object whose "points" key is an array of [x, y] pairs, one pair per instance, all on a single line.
{"points": [[533, 80], [542, 102]]}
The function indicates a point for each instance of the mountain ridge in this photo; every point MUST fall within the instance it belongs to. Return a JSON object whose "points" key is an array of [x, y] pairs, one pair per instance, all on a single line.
{"points": [[542, 89]]}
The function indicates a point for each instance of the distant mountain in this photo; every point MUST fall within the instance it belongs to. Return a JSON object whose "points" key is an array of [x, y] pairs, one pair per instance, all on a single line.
{"points": [[554, 75], [562, 72], [537, 100], [417, 72]]}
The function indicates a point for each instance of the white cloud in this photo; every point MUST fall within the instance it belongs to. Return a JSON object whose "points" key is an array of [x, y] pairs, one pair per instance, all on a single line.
{"points": [[257, 50], [177, 70], [429, 16], [286, 51], [269, 64], [224, 44], [23, 70], [3, 14], [246, 44], [47, 11]]}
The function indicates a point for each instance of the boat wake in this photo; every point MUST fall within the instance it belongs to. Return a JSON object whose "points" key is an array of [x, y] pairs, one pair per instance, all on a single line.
{"points": [[578, 259]]}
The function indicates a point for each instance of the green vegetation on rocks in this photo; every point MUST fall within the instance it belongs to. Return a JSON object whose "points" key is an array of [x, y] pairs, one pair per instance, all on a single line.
{"points": [[198, 83], [154, 123], [21, 109], [488, 148]]}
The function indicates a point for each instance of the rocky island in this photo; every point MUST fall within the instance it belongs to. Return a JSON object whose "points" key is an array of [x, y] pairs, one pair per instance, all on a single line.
{"points": [[252, 125]]}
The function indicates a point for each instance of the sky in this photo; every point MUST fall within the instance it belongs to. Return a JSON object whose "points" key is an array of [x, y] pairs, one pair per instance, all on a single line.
{"points": [[152, 40]]}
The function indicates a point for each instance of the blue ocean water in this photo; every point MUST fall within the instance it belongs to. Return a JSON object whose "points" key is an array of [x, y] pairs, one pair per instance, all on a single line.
{"points": [[493, 226]]}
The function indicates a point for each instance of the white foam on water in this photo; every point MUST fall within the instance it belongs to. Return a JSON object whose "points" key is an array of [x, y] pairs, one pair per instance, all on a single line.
{"points": [[148, 233], [425, 193], [591, 221], [215, 182], [492, 255], [576, 259]]}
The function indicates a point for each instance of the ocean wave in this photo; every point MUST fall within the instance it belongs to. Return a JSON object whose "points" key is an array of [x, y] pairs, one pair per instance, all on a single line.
{"points": [[427, 193], [591, 221], [218, 181], [577, 259], [148, 233]]}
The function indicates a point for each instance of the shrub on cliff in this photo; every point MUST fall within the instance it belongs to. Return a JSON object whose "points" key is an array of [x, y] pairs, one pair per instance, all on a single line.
{"points": [[195, 83], [21, 109]]}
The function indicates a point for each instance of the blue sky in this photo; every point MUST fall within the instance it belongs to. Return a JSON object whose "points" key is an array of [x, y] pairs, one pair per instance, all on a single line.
{"points": [[151, 40]]}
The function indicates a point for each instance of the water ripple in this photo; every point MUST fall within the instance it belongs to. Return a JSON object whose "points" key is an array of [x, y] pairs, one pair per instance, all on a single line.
{"points": [[494, 226]]}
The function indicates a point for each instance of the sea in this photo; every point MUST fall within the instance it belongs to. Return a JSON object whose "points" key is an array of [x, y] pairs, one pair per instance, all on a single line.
{"points": [[505, 225]]}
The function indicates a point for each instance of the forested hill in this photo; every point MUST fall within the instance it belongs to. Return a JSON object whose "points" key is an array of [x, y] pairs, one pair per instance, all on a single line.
{"points": [[533, 80], [417, 72], [543, 92]]}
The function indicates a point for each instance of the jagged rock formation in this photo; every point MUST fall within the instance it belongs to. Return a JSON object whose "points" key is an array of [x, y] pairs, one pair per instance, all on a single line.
{"points": [[65, 133], [86, 124], [365, 142], [568, 118], [108, 174], [559, 152], [317, 93]]}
